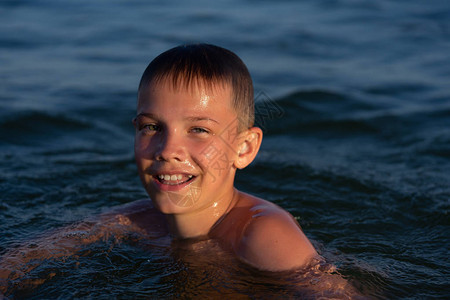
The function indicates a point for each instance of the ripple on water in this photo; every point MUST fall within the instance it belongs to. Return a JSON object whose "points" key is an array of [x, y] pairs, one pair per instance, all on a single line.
{"points": [[195, 269]]}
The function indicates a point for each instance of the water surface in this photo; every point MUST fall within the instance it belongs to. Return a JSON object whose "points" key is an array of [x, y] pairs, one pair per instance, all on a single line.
{"points": [[359, 155]]}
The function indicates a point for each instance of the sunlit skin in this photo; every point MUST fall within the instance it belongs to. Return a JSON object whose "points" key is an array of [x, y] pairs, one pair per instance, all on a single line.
{"points": [[191, 187]]}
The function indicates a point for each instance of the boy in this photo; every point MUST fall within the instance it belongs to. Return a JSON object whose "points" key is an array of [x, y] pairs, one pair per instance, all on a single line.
{"points": [[194, 129]]}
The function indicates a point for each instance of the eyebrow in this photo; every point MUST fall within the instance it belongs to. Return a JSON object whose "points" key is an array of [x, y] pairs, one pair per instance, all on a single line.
{"points": [[148, 115], [192, 119]]}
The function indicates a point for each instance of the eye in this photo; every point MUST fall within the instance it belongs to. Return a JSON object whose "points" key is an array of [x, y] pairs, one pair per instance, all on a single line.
{"points": [[199, 130], [149, 127]]}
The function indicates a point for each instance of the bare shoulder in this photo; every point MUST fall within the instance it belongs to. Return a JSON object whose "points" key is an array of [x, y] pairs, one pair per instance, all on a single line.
{"points": [[272, 239]]}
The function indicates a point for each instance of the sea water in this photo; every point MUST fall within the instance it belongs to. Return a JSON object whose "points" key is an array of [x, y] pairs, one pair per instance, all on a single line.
{"points": [[357, 149]]}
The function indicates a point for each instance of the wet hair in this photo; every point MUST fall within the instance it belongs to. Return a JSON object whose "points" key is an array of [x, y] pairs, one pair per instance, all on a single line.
{"points": [[205, 64]]}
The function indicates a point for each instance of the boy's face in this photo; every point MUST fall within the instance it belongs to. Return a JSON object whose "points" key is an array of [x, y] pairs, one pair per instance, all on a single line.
{"points": [[185, 145]]}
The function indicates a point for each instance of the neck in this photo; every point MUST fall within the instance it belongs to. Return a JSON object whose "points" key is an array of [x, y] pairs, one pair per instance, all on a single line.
{"points": [[199, 223]]}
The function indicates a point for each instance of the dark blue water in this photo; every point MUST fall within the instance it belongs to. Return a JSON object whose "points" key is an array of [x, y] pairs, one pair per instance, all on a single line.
{"points": [[360, 153]]}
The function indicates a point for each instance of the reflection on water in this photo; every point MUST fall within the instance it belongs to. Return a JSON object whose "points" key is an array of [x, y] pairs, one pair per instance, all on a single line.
{"points": [[136, 265]]}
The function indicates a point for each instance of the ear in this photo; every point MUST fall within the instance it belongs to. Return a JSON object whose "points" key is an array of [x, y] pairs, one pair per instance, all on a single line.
{"points": [[248, 147]]}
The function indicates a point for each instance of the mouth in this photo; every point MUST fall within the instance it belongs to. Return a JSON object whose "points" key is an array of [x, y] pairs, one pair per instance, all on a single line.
{"points": [[174, 179], [179, 188]]}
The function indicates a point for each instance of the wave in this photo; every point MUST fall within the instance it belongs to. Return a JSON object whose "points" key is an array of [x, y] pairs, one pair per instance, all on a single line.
{"points": [[318, 111], [331, 114], [35, 127]]}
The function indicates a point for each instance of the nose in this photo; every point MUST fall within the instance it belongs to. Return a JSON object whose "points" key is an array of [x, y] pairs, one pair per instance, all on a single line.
{"points": [[170, 147]]}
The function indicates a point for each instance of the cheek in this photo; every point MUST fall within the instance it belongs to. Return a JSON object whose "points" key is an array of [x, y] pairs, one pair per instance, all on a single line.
{"points": [[142, 149], [144, 143], [215, 157]]}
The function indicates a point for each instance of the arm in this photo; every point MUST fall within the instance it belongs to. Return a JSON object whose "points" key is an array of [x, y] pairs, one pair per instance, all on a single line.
{"points": [[59, 244]]}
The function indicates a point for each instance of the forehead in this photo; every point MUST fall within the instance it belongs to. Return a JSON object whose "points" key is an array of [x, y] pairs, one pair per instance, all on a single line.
{"points": [[185, 92]]}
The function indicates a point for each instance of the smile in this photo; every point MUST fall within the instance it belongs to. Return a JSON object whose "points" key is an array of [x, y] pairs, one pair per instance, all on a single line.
{"points": [[174, 179]]}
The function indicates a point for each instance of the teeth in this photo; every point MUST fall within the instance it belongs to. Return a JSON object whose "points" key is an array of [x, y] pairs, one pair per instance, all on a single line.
{"points": [[177, 177]]}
